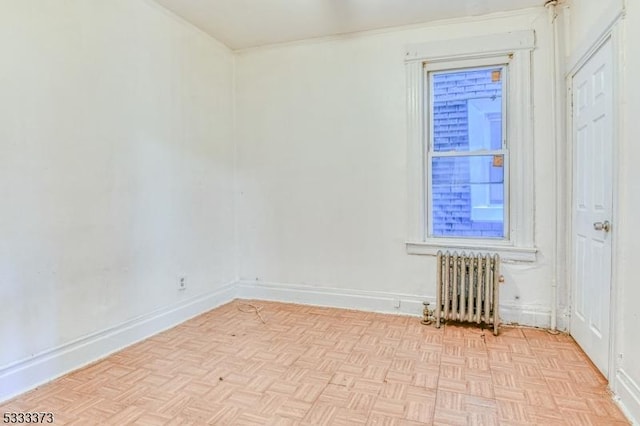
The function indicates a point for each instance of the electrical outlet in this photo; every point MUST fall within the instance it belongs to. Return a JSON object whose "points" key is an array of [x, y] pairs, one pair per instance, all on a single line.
{"points": [[182, 283]]}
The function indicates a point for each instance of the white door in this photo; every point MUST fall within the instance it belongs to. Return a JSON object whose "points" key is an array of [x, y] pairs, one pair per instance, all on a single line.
{"points": [[592, 205]]}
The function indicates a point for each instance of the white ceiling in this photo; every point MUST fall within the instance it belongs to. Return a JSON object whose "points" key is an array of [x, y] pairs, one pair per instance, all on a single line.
{"points": [[248, 23]]}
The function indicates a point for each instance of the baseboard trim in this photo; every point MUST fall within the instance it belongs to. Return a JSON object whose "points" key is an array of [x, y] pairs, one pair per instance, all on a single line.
{"points": [[27, 374], [530, 315], [370, 301], [628, 396], [373, 301]]}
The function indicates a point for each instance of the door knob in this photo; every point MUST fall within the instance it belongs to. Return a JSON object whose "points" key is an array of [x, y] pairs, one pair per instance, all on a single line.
{"points": [[602, 226]]}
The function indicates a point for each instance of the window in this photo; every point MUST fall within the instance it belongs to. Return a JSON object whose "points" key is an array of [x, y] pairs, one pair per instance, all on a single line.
{"points": [[470, 153], [466, 153]]}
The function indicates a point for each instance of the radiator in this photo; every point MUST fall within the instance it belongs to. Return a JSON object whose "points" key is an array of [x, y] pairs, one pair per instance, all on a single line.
{"points": [[468, 288]]}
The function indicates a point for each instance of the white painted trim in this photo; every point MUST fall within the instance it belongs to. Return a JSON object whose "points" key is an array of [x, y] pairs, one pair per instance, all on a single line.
{"points": [[370, 301], [373, 301], [507, 253], [588, 47], [627, 393], [26, 374], [530, 315], [476, 47], [519, 134], [415, 150], [475, 62], [617, 73]]}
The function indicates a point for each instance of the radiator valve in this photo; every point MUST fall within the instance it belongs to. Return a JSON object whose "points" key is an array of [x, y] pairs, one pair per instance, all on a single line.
{"points": [[427, 314]]}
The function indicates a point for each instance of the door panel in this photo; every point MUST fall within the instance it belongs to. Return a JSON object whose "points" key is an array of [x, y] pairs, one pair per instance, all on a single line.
{"points": [[592, 205]]}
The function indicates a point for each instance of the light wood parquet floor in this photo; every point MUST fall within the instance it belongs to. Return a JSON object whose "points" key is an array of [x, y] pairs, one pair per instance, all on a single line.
{"points": [[322, 366]]}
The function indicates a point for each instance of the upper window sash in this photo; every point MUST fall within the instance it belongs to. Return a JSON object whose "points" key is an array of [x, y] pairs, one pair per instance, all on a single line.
{"points": [[432, 69]]}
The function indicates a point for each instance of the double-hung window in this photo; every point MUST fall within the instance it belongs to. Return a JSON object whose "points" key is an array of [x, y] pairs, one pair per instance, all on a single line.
{"points": [[467, 155], [470, 153]]}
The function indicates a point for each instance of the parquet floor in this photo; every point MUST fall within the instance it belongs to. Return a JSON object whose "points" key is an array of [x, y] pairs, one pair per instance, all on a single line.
{"points": [[321, 366]]}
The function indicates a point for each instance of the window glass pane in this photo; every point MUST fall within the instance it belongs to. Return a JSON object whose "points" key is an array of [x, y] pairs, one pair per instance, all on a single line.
{"points": [[467, 109], [468, 196]]}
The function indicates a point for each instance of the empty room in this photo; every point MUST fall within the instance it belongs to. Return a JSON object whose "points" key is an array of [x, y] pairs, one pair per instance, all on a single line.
{"points": [[319, 212]]}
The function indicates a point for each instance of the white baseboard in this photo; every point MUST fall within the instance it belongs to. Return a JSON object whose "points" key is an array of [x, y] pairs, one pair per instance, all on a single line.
{"points": [[374, 301], [628, 396], [371, 301], [531, 315], [27, 374]]}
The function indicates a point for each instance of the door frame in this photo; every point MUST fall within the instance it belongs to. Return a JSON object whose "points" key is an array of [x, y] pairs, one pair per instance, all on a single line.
{"points": [[612, 33]]}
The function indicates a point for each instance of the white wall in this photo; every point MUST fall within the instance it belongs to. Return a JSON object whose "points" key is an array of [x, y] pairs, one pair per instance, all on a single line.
{"points": [[322, 165], [116, 168], [117, 165], [629, 194], [583, 16], [588, 19]]}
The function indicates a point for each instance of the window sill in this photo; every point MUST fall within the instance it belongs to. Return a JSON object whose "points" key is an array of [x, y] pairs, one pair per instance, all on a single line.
{"points": [[507, 253]]}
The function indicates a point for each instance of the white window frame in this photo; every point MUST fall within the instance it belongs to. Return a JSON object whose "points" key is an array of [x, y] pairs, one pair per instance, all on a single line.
{"points": [[515, 48]]}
